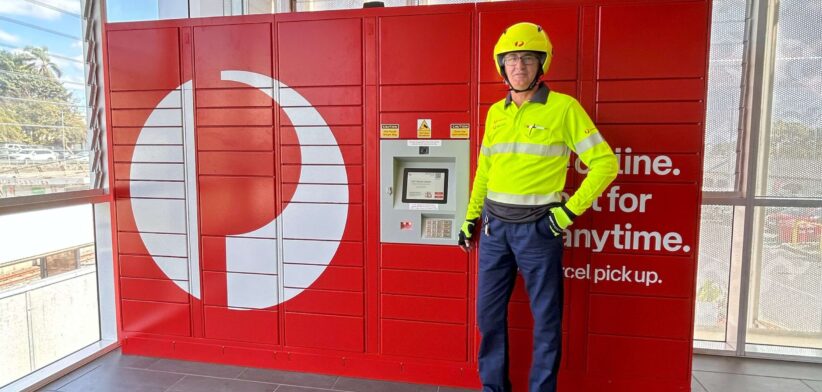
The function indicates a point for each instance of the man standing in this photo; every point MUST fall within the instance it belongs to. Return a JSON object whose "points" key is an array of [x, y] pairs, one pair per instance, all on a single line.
{"points": [[517, 189]]}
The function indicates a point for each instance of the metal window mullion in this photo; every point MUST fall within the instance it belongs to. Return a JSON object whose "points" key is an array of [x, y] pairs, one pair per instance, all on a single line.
{"points": [[759, 52]]}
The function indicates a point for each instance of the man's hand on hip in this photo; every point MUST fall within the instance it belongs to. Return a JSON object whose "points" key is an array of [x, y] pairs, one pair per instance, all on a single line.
{"points": [[559, 218]]}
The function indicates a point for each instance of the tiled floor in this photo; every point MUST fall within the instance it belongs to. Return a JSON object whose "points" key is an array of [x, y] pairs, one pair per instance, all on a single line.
{"points": [[118, 373]]}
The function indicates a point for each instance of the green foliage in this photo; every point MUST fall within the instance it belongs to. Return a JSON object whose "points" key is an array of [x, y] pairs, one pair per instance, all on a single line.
{"points": [[709, 292], [794, 140], [33, 97]]}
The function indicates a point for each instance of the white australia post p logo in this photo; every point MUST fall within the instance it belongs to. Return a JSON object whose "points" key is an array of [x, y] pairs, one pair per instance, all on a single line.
{"points": [[322, 219]]}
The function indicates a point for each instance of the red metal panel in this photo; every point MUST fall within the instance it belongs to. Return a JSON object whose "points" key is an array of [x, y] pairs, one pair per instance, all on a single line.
{"points": [[161, 290], [141, 267], [651, 90], [220, 196], [655, 167], [650, 112], [348, 254], [338, 278], [290, 173], [235, 116], [155, 317], [332, 115], [327, 96], [342, 303], [153, 64], [131, 117], [236, 163], [521, 349], [410, 58], [235, 139], [561, 24], [667, 46], [519, 315], [451, 98], [427, 340], [245, 47], [641, 207], [440, 122], [643, 138], [328, 52], [437, 284], [442, 310], [675, 275], [138, 99], [250, 357], [343, 135], [128, 136], [425, 258], [352, 155], [122, 153], [130, 243], [355, 225], [253, 326], [214, 288], [640, 316], [213, 253], [226, 98], [649, 358], [324, 332]]}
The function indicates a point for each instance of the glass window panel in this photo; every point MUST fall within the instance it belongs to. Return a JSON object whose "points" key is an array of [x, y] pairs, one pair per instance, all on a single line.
{"points": [[713, 277], [794, 165], [786, 278], [43, 125], [48, 288], [263, 7], [324, 5], [724, 94], [132, 10]]}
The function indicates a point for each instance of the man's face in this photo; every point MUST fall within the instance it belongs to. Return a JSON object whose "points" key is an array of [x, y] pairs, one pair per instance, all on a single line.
{"points": [[521, 68]]}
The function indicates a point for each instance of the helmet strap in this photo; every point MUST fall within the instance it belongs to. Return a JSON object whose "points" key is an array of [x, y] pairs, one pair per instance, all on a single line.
{"points": [[530, 86]]}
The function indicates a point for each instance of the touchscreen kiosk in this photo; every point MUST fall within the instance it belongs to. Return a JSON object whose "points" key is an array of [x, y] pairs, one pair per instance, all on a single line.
{"points": [[424, 190]]}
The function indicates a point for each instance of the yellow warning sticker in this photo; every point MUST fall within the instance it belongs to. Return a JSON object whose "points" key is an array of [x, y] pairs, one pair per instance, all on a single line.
{"points": [[389, 131], [460, 131], [424, 128]]}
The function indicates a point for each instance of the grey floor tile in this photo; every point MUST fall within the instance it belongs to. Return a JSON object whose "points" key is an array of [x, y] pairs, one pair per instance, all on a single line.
{"points": [[117, 358], [815, 385], [196, 368], [294, 388], [113, 358], [724, 382], [758, 367], [696, 386], [452, 389], [211, 384], [289, 378], [115, 379], [364, 385], [62, 381]]}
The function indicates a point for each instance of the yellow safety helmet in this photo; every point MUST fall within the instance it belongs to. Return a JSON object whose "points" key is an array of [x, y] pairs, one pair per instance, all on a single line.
{"points": [[523, 36]]}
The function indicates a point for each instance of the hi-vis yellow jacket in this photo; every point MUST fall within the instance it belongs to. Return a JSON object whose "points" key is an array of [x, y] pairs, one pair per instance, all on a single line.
{"points": [[525, 153]]}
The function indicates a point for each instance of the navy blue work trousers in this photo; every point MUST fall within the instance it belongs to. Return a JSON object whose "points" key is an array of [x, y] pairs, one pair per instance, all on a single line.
{"points": [[537, 253]]}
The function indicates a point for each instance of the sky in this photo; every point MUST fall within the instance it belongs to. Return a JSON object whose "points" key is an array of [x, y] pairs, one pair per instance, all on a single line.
{"points": [[42, 23], [57, 25]]}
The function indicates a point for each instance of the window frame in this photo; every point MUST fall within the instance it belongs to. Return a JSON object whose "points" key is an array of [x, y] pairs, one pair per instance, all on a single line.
{"points": [[755, 121]]}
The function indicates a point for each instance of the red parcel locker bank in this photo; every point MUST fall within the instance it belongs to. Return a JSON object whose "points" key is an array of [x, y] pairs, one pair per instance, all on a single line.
{"points": [[266, 213]]}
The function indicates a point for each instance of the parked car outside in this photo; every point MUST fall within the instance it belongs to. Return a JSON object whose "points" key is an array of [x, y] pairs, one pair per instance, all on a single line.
{"points": [[34, 155]]}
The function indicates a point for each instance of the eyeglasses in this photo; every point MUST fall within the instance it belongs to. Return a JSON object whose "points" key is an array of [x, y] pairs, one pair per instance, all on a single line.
{"points": [[526, 59]]}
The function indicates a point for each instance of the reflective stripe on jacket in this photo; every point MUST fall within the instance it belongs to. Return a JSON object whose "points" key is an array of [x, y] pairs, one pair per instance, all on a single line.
{"points": [[525, 152]]}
